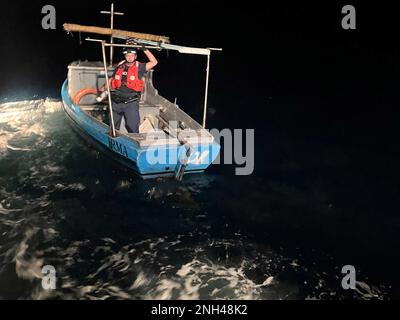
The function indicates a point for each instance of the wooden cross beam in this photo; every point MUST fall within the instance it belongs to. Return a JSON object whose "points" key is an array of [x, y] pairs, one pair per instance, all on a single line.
{"points": [[112, 13]]}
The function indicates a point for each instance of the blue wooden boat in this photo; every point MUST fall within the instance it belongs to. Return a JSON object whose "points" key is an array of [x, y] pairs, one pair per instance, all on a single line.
{"points": [[169, 142]]}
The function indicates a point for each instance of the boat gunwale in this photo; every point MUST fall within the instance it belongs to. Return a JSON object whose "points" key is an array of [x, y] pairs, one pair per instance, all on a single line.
{"points": [[122, 161]]}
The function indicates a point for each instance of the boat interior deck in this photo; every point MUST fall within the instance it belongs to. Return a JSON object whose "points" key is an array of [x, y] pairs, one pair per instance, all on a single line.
{"points": [[158, 117]]}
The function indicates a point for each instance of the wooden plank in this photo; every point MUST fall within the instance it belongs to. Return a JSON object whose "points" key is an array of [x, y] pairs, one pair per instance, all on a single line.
{"points": [[115, 33]]}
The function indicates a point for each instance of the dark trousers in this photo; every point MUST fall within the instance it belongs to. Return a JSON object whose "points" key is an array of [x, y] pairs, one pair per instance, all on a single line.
{"points": [[131, 113]]}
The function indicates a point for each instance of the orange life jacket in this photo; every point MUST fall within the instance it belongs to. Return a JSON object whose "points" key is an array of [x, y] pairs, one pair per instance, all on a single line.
{"points": [[132, 78]]}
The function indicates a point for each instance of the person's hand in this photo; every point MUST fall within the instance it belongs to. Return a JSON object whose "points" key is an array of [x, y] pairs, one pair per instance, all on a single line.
{"points": [[102, 96], [143, 48], [130, 41]]}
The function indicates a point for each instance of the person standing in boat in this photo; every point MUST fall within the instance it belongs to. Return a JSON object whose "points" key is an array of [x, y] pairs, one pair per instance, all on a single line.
{"points": [[127, 84]]}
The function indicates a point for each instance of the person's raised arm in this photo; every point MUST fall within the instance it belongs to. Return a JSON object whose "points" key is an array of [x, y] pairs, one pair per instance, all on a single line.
{"points": [[152, 59]]}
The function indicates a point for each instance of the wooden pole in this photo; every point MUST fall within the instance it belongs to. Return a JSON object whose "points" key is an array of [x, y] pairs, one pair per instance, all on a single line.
{"points": [[206, 92], [112, 127], [116, 33]]}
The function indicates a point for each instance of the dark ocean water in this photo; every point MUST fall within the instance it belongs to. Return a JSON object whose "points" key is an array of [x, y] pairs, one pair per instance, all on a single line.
{"points": [[324, 193], [110, 234]]}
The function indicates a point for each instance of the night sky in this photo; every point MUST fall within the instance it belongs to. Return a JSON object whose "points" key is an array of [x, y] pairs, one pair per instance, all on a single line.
{"points": [[296, 52]]}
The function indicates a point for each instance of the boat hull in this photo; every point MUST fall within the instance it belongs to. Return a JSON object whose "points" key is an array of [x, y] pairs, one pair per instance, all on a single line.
{"points": [[130, 154]]}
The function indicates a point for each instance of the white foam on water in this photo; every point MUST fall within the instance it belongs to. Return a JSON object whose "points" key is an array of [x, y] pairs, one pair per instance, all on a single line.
{"points": [[3, 210], [123, 184], [27, 268], [140, 281], [52, 168], [163, 268], [117, 292], [366, 292], [18, 149], [50, 105], [267, 282], [73, 186], [199, 279], [164, 290], [24, 119], [76, 186]]}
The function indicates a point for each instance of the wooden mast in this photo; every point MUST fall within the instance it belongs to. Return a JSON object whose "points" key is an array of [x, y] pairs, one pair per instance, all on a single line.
{"points": [[112, 13]]}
